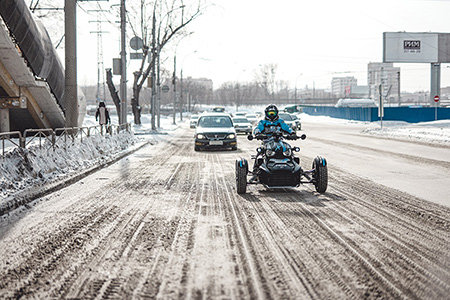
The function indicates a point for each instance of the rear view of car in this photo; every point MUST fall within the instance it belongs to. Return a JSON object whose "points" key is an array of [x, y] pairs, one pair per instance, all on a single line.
{"points": [[215, 130]]}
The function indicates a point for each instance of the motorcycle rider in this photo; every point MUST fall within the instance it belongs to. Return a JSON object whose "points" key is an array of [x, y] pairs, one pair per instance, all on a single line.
{"points": [[270, 124]]}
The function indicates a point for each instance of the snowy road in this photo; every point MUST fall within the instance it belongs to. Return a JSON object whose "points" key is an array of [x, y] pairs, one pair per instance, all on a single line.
{"points": [[167, 223], [418, 168]]}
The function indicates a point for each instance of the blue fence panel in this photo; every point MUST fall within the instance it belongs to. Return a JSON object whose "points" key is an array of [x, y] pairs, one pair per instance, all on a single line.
{"points": [[370, 114], [350, 113], [415, 114]]}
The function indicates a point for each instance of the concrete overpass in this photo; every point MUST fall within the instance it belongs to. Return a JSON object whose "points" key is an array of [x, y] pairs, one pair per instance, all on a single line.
{"points": [[31, 74]]}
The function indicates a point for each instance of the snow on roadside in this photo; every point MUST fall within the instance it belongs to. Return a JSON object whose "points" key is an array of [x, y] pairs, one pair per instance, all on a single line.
{"points": [[35, 166], [437, 132], [430, 132]]}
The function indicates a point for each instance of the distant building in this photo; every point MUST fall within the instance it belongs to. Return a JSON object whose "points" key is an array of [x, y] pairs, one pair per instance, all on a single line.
{"points": [[204, 82], [359, 91], [386, 75], [341, 86]]}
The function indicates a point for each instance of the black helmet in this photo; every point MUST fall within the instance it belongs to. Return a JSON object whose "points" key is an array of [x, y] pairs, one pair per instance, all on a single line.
{"points": [[271, 112]]}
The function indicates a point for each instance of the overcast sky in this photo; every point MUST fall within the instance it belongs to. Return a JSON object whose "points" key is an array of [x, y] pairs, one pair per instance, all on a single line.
{"points": [[309, 41]]}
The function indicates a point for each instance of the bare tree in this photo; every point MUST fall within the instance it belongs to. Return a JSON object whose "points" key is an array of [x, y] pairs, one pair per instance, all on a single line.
{"points": [[265, 77], [168, 20], [161, 20]]}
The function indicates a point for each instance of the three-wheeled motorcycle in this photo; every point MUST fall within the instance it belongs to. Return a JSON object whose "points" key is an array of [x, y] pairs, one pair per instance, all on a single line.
{"points": [[276, 166]]}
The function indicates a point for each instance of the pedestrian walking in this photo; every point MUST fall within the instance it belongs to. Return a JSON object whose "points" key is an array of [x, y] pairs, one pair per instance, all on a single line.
{"points": [[102, 115]]}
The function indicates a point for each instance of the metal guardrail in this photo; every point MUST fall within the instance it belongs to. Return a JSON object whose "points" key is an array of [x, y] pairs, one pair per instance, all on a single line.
{"points": [[52, 137], [37, 134], [8, 137]]}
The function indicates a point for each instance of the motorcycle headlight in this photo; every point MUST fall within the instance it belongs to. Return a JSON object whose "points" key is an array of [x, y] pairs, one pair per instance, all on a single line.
{"points": [[270, 152], [288, 152], [231, 136], [201, 136]]}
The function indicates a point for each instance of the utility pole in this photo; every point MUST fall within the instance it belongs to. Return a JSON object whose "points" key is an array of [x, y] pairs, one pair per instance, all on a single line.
{"points": [[381, 105], [153, 58], [158, 98], [174, 82], [123, 65], [181, 94], [71, 86], [100, 65], [398, 91]]}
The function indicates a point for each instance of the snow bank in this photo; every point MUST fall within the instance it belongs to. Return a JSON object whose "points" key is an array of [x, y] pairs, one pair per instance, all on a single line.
{"points": [[35, 166], [430, 132]]}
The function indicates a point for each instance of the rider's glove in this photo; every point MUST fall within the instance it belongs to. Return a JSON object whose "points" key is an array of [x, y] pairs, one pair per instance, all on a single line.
{"points": [[258, 135], [292, 136]]}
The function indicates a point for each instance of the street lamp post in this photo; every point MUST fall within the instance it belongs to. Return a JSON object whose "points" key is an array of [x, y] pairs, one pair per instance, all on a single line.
{"points": [[174, 82], [123, 65], [175, 78], [238, 96], [71, 85], [181, 84], [295, 94]]}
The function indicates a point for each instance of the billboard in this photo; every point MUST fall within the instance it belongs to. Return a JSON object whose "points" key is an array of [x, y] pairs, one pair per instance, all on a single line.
{"points": [[416, 47]]}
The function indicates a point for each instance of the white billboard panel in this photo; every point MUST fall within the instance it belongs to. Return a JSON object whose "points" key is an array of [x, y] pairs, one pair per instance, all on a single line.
{"points": [[416, 47]]}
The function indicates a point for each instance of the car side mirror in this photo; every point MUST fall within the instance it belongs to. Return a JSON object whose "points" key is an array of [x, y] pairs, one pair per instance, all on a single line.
{"points": [[250, 137], [303, 136]]}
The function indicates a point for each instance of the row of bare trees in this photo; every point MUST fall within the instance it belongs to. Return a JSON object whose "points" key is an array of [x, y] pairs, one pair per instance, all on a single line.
{"points": [[158, 23], [161, 24]]}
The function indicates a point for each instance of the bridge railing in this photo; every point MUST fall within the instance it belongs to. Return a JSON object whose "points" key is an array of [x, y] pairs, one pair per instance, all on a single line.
{"points": [[60, 136]]}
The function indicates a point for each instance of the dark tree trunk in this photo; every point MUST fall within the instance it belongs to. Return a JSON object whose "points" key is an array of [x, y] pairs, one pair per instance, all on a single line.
{"points": [[113, 91], [135, 107]]}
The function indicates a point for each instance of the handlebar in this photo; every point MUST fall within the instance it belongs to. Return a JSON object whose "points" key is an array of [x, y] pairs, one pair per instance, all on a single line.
{"points": [[262, 137]]}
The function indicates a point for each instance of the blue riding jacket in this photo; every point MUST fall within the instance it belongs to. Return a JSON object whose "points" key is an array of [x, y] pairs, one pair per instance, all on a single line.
{"points": [[268, 127]]}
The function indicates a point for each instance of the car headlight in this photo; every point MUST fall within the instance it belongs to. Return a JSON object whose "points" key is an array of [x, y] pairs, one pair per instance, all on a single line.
{"points": [[231, 136], [201, 136], [288, 152], [270, 152]]}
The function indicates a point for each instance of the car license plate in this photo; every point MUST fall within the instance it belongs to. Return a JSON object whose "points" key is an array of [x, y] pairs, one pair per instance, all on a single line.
{"points": [[216, 143]]}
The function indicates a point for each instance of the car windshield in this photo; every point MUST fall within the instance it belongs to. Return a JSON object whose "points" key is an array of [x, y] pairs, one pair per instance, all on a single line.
{"points": [[215, 121], [240, 120], [251, 116], [285, 117], [194, 117]]}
